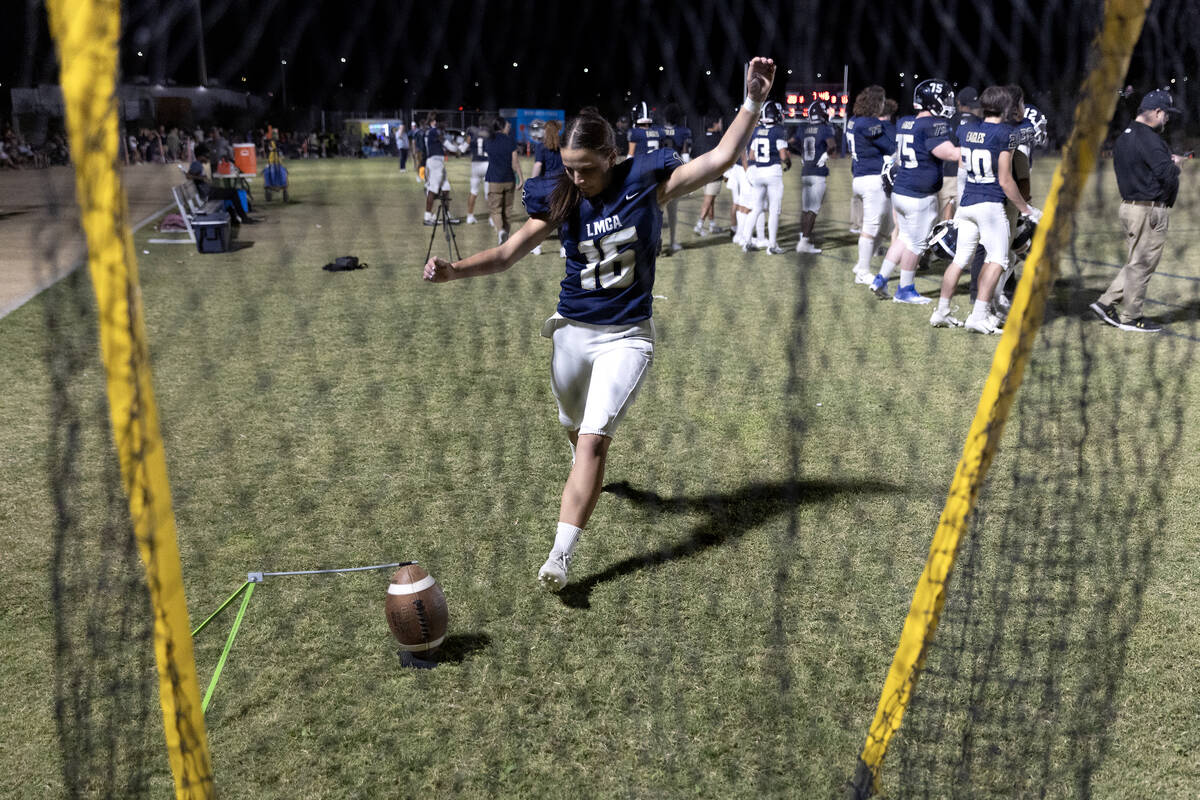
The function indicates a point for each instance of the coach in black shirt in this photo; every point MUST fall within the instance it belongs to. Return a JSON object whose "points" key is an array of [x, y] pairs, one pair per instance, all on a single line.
{"points": [[1148, 179]]}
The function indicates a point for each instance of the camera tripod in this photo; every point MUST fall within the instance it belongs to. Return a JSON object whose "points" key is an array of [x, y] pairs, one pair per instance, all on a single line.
{"points": [[447, 222]]}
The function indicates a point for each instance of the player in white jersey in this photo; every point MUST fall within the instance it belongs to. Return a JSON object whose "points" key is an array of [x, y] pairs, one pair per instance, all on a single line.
{"points": [[768, 158]]}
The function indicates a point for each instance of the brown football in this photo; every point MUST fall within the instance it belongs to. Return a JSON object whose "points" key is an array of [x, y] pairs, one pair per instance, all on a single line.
{"points": [[416, 610]]}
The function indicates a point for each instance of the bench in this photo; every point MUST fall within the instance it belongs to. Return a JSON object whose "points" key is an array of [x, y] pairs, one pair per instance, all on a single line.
{"points": [[207, 222]]}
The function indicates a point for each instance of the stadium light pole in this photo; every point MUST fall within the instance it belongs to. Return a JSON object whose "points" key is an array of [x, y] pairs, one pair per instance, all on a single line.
{"points": [[283, 80], [200, 46]]}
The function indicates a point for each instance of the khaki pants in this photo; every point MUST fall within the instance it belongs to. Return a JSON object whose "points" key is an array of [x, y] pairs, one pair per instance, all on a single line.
{"points": [[1146, 233], [500, 200]]}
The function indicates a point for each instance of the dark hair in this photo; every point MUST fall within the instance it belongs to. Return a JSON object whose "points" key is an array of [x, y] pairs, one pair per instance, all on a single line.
{"points": [[996, 101], [587, 131], [550, 135], [869, 102], [672, 114], [498, 124], [1017, 95], [890, 107]]}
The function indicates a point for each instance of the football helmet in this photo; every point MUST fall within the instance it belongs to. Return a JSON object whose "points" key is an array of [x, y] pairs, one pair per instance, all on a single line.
{"points": [[943, 240], [935, 96], [641, 114], [818, 111], [1023, 235], [1040, 125], [771, 114], [890, 169]]}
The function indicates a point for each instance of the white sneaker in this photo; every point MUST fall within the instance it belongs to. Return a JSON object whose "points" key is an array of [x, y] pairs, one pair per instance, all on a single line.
{"points": [[979, 323], [863, 277], [945, 319], [676, 247], [805, 246], [997, 321], [553, 574], [699, 229], [759, 244], [537, 251], [501, 236], [774, 250], [429, 218], [471, 219]]}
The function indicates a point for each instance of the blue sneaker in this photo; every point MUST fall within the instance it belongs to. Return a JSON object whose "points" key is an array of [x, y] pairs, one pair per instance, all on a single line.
{"points": [[879, 287], [909, 294]]}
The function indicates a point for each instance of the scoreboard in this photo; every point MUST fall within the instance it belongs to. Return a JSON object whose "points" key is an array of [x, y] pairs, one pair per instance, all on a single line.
{"points": [[798, 98]]}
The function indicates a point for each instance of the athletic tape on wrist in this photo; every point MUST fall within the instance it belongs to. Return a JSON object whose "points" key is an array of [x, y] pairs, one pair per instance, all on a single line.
{"points": [[753, 106]]}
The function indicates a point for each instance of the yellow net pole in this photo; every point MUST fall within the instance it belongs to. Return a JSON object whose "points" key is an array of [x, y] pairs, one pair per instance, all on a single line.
{"points": [[1122, 26], [86, 33]]}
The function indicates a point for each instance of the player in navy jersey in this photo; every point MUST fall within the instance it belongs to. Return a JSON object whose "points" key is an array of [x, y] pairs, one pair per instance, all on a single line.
{"points": [[547, 161], [767, 159], [608, 212], [815, 141], [678, 137], [645, 136], [869, 141], [707, 141], [922, 143], [477, 144], [436, 182], [986, 157]]}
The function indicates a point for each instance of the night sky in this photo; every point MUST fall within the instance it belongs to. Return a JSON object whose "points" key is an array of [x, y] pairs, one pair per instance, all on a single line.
{"points": [[427, 54]]}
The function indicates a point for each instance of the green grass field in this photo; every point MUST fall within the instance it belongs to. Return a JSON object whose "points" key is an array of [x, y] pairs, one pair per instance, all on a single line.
{"points": [[739, 593]]}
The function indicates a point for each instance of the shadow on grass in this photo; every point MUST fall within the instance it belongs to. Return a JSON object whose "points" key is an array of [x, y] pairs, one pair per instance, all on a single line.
{"points": [[729, 517], [456, 649]]}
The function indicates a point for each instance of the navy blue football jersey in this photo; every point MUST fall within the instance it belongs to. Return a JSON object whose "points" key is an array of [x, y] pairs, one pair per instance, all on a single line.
{"points": [[479, 148], [1025, 136], [981, 144], [433, 142], [677, 137], [500, 147], [920, 171], [646, 140], [812, 140], [869, 140], [765, 144], [611, 241], [551, 160]]}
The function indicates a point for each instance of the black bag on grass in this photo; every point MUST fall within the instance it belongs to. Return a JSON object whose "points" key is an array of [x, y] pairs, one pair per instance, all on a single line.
{"points": [[344, 264]]}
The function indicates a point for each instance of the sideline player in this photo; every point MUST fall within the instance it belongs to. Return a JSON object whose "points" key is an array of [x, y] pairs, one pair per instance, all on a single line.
{"points": [[645, 137], [952, 185], [816, 141], [436, 182], [678, 137], [921, 141], [986, 149], [547, 161], [713, 126], [479, 166], [768, 160], [869, 142], [609, 213]]}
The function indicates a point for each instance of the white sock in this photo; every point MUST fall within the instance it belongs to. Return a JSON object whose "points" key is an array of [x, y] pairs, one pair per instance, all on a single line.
{"points": [[741, 218], [866, 248], [907, 276], [981, 307], [566, 538], [943, 305], [887, 268]]}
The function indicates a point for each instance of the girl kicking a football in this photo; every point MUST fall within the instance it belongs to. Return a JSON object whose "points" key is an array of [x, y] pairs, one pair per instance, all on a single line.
{"points": [[608, 214]]}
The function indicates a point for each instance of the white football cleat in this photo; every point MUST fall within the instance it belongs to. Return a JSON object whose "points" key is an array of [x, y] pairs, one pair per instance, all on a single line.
{"points": [[863, 277], [676, 247], [979, 323], [805, 246], [537, 251], [553, 574], [471, 219], [945, 319], [774, 250], [699, 229]]}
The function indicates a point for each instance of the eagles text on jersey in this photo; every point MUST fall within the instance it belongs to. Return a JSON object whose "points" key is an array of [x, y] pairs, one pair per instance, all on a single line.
{"points": [[611, 241]]}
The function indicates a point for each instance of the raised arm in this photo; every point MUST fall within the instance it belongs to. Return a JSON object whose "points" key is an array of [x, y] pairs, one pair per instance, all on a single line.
{"points": [[708, 167], [489, 262]]}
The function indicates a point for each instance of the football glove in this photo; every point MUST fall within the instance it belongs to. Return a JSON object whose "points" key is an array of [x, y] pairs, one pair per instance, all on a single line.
{"points": [[1034, 214]]}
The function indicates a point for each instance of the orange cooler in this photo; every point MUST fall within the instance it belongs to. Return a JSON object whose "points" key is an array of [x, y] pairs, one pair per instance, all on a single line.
{"points": [[246, 158]]}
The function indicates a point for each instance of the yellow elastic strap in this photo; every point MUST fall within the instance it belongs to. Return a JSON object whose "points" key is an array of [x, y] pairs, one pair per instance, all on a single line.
{"points": [[86, 33], [1122, 26]]}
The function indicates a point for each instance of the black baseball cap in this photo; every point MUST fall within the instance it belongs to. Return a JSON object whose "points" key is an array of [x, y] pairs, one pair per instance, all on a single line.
{"points": [[968, 96], [1158, 99]]}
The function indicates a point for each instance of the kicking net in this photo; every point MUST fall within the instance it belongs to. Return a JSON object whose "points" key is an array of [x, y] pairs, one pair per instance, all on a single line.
{"points": [[731, 623]]}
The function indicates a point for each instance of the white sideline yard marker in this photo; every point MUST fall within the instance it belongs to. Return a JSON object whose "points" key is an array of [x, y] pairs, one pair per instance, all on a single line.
{"points": [[23, 299]]}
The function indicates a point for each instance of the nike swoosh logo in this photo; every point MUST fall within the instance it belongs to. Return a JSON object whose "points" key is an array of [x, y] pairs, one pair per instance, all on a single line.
{"points": [[631, 195]]}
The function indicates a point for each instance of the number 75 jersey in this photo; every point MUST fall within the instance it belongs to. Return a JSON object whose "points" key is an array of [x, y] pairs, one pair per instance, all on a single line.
{"points": [[611, 241]]}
